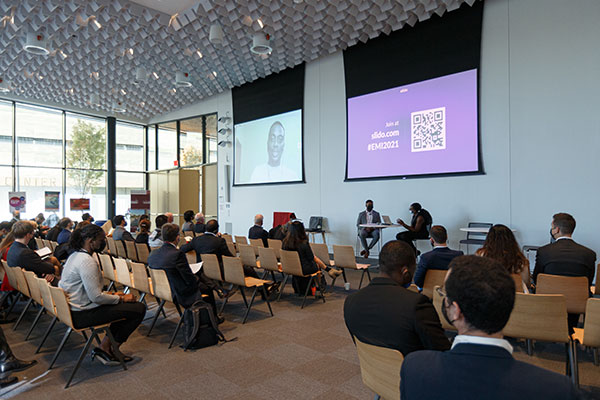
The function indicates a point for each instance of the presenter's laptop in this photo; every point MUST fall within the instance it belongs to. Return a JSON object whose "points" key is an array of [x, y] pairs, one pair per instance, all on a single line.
{"points": [[386, 220]]}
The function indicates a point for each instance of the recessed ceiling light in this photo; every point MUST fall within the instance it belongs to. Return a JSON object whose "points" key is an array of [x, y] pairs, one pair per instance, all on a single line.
{"points": [[199, 53], [96, 24], [260, 23], [36, 44], [214, 73], [155, 75], [123, 92]]}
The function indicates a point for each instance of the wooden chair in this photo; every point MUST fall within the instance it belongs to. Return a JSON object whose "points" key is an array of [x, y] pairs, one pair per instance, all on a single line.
{"points": [[211, 267], [268, 261], [36, 296], [256, 243], [519, 284], [48, 304], [234, 274], [131, 250], [53, 246], [290, 266], [241, 240], [275, 244], [321, 251], [162, 291], [63, 311], [433, 278], [380, 369], [120, 249], [574, 288], [437, 304], [108, 269], [228, 238], [143, 252], [247, 255], [12, 280], [413, 288], [343, 257], [590, 334], [112, 247], [22, 287], [123, 276], [182, 241], [594, 289], [39, 243], [543, 317], [191, 257], [46, 243], [232, 248], [140, 280]]}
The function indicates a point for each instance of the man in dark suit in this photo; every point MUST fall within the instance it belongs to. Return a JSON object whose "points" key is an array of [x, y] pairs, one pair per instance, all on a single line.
{"points": [[387, 314], [439, 257], [369, 216], [257, 231], [199, 226], [186, 287], [480, 295]]}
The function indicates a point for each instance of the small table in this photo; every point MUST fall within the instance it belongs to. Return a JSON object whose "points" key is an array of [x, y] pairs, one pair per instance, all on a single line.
{"points": [[311, 234]]}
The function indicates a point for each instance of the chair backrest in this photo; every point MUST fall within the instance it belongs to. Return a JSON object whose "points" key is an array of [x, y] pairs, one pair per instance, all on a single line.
{"points": [[518, 283], [210, 266], [112, 247], [343, 256], [139, 277], [433, 278], [12, 279], [275, 244], [46, 243], [160, 284], [321, 251], [256, 243], [574, 288], [39, 243], [413, 288], [233, 270], [188, 234], [191, 257], [47, 302], [478, 235], [228, 238], [61, 304], [596, 289], [122, 271], [120, 249], [267, 258], [241, 240], [591, 327], [34, 289], [540, 317], [247, 255], [290, 263], [380, 369], [437, 304], [106, 264], [231, 248], [143, 252], [21, 281], [131, 250], [182, 241], [53, 245]]}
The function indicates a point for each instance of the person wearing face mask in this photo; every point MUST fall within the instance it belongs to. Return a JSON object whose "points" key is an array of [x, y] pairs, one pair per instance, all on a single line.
{"points": [[478, 300], [419, 225], [385, 313], [120, 233], [565, 256], [438, 258], [90, 306], [369, 216]]}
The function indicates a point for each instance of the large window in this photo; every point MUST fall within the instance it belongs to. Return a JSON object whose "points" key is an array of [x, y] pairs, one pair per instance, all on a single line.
{"points": [[39, 133], [190, 141], [130, 147], [6, 123], [167, 145]]}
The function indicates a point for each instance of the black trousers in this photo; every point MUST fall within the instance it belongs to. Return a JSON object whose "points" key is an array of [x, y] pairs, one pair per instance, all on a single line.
{"points": [[409, 236], [133, 314]]}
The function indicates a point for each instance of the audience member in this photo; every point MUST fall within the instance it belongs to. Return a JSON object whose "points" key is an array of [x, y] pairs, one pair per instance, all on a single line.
{"points": [[5, 227], [91, 306], [387, 314], [63, 251], [16, 216], [480, 296], [4, 248], [143, 235], [439, 257], [19, 255], [120, 233], [199, 226], [154, 240], [296, 240], [53, 233], [188, 225], [278, 232], [187, 287], [87, 217], [501, 245], [419, 225], [257, 231], [65, 233], [169, 216], [9, 363], [369, 216]]}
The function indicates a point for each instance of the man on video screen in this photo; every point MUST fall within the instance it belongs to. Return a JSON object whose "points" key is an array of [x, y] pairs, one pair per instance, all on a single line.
{"points": [[273, 170]]}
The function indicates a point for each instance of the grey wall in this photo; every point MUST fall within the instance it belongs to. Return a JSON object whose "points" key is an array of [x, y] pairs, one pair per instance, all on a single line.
{"points": [[539, 85]]}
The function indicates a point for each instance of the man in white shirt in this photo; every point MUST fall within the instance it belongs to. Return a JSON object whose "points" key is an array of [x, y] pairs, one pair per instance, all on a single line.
{"points": [[273, 170], [478, 300], [369, 216]]}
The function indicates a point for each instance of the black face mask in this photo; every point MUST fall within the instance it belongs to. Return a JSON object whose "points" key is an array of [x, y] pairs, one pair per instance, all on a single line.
{"points": [[369, 208], [552, 239], [444, 313], [101, 246]]}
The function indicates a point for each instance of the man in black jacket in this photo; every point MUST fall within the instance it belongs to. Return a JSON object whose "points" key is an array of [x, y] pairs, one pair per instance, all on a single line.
{"points": [[479, 299], [438, 258], [186, 287], [387, 314], [258, 232]]}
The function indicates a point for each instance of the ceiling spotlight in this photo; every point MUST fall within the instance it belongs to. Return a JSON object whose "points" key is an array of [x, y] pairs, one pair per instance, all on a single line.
{"points": [[36, 44], [199, 53], [214, 73], [40, 77], [4, 85], [142, 103], [225, 131], [118, 107], [225, 120], [215, 35], [95, 23], [182, 79], [123, 92], [62, 54], [94, 100], [260, 44], [155, 75], [140, 75], [224, 143], [95, 75], [260, 23], [130, 51]]}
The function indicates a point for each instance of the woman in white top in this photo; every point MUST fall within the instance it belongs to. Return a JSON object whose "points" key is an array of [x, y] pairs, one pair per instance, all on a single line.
{"points": [[82, 281]]}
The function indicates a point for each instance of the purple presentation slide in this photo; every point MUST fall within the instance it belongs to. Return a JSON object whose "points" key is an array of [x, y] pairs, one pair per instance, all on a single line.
{"points": [[428, 127]]}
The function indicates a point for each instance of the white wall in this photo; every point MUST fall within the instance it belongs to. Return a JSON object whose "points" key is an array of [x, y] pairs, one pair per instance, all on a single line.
{"points": [[540, 129]]}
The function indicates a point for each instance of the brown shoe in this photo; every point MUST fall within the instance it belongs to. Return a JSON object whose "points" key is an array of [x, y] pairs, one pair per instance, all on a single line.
{"points": [[367, 254], [363, 252]]}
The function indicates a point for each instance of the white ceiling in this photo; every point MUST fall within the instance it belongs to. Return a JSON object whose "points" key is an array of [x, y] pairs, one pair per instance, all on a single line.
{"points": [[166, 35]]}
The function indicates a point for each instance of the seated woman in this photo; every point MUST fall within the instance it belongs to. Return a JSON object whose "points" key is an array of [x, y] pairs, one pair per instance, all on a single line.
{"points": [[144, 233], [82, 281], [419, 226], [501, 245], [296, 240]]}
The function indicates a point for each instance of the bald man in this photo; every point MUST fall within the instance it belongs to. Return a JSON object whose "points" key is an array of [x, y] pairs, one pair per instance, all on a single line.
{"points": [[257, 231], [273, 170], [169, 216]]}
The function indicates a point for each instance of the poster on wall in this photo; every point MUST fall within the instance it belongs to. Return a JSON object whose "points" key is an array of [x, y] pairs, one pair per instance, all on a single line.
{"points": [[16, 201], [51, 201], [80, 204], [140, 200]]}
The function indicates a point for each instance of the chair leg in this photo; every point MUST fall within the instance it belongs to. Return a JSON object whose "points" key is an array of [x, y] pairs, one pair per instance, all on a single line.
{"points": [[249, 305], [22, 314], [377, 397], [529, 344], [3, 299], [60, 347], [568, 361], [361, 279], [368, 275], [80, 359], [110, 286], [14, 303], [35, 321], [321, 289], [306, 292], [285, 277], [344, 275], [84, 335], [574, 364], [178, 310], [46, 334], [142, 297], [160, 307], [176, 331], [243, 293], [267, 299], [595, 351]]}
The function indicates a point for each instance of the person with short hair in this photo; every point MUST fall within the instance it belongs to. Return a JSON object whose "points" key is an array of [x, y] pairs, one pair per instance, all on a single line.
{"points": [[90, 306], [120, 233], [169, 216], [87, 217], [154, 240], [144, 233], [53, 233], [274, 170], [438, 258], [188, 225], [419, 225], [258, 232], [369, 216], [385, 313], [66, 226], [478, 300], [199, 226]]}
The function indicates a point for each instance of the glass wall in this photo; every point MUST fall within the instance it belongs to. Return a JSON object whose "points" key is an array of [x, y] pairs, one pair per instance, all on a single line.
{"points": [[167, 145]]}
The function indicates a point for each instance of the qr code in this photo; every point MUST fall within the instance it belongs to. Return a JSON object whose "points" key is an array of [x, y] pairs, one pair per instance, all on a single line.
{"points": [[428, 129]]}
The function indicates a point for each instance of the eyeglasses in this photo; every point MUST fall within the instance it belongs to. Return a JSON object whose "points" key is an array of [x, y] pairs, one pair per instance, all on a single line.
{"points": [[440, 292]]}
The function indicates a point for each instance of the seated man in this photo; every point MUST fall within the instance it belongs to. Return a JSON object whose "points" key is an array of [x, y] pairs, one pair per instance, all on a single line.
{"points": [[199, 226], [65, 233], [369, 216], [480, 295], [120, 233], [419, 225], [22, 256], [439, 257], [154, 240], [257, 231], [187, 288], [565, 257], [387, 314]]}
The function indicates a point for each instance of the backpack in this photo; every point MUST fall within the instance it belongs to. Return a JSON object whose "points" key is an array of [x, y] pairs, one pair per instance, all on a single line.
{"points": [[199, 327]]}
